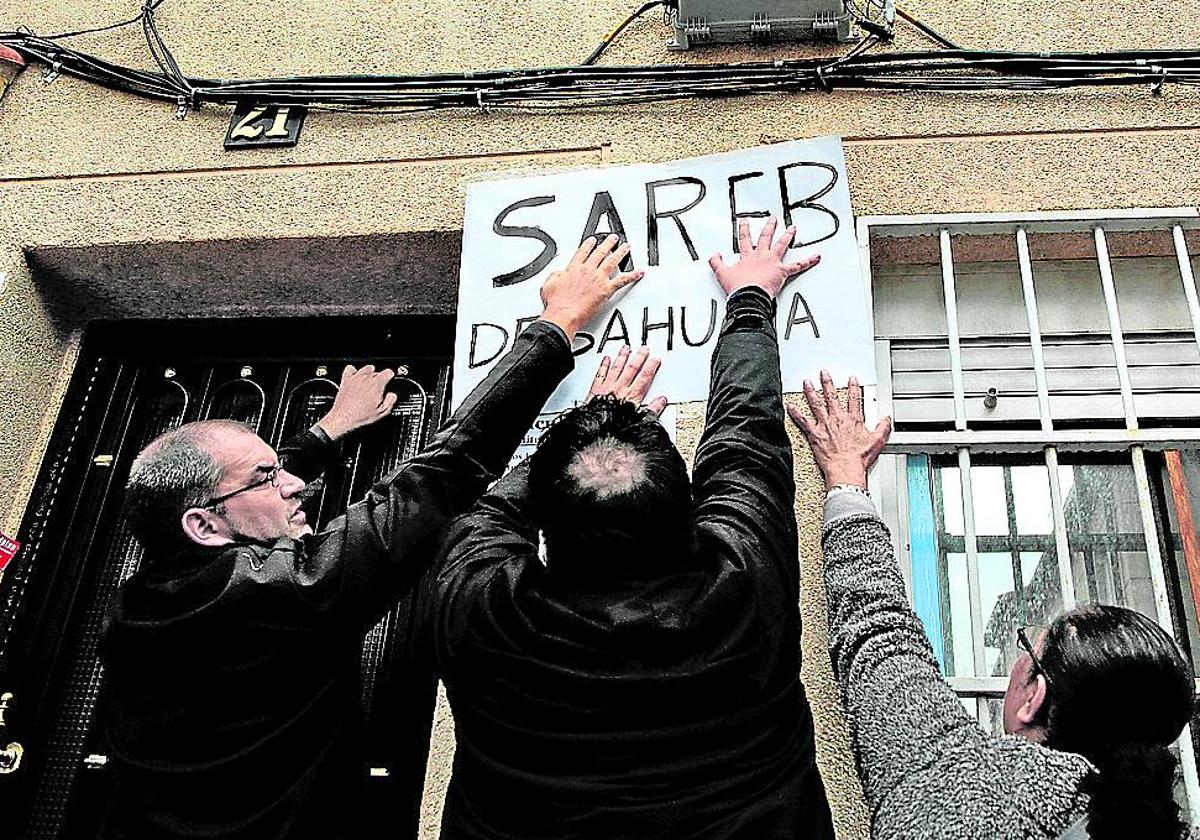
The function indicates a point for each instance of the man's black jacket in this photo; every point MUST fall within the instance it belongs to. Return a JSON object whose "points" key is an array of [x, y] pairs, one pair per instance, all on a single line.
{"points": [[233, 673], [650, 695]]}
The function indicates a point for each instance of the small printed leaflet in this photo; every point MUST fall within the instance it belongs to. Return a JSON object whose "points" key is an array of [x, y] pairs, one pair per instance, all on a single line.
{"points": [[529, 444]]}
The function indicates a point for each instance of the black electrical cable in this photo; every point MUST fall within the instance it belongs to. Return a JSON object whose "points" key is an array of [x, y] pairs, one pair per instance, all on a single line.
{"points": [[107, 27], [612, 36], [589, 86], [928, 31]]}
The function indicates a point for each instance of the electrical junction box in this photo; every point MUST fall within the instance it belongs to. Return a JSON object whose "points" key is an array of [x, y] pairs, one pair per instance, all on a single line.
{"points": [[698, 22]]}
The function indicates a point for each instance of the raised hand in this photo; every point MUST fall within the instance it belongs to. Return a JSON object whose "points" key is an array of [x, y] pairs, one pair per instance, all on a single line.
{"points": [[628, 378], [760, 264], [843, 447], [572, 297], [362, 399]]}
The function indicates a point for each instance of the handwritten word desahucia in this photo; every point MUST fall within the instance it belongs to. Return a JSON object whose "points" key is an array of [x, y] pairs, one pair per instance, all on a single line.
{"points": [[694, 329]]}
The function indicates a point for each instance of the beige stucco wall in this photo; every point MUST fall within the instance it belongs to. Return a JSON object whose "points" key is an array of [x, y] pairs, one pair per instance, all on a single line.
{"points": [[82, 167]]}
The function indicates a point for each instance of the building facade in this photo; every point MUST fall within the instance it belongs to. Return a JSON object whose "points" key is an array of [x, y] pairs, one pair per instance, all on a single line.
{"points": [[1029, 257]]}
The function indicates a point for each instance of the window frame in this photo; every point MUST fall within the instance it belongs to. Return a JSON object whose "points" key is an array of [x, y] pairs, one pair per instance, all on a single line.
{"points": [[890, 474]]}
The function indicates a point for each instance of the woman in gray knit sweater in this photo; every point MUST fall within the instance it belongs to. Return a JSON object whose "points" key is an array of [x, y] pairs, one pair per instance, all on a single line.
{"points": [[1090, 707]]}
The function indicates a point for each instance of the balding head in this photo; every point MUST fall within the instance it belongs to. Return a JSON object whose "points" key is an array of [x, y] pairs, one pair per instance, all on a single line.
{"points": [[607, 479], [608, 468], [177, 470]]}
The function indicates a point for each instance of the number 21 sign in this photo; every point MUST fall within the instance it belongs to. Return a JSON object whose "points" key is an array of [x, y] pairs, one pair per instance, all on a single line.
{"points": [[253, 126]]}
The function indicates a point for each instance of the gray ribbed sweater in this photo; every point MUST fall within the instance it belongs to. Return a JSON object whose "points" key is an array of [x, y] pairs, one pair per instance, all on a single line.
{"points": [[927, 769]]}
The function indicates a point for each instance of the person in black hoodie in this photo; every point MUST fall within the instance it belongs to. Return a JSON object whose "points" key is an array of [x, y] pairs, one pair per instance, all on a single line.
{"points": [[643, 682], [232, 655]]}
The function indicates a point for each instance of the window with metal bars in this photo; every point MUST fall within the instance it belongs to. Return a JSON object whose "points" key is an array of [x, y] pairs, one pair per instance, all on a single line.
{"points": [[1044, 374]]}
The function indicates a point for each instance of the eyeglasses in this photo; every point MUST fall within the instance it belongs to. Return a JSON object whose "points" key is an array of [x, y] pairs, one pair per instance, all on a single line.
{"points": [[1023, 641], [271, 477]]}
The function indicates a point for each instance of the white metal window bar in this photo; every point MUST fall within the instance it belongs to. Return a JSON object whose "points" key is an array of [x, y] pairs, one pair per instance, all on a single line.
{"points": [[1065, 581], [1189, 279], [950, 297], [963, 440]]}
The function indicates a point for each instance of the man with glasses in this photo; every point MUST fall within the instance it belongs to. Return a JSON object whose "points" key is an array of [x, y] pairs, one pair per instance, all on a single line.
{"points": [[232, 655]]}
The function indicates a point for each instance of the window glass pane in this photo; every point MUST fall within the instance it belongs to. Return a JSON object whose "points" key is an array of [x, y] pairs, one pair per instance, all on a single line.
{"points": [[1031, 493], [961, 641], [987, 711], [952, 509], [991, 511], [997, 589], [1017, 553], [1018, 567], [1109, 564], [993, 716]]}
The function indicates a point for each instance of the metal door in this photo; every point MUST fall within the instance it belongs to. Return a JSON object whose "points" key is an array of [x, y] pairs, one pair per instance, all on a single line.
{"points": [[134, 381]]}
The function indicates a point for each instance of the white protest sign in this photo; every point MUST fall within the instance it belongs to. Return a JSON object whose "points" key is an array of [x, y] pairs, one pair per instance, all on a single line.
{"points": [[674, 216]]}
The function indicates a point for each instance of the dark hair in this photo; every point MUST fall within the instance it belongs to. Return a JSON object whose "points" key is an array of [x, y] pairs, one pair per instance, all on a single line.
{"points": [[174, 472], [606, 481], [1120, 692]]}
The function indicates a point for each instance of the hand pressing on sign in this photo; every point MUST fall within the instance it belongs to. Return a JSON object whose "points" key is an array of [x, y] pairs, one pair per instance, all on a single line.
{"points": [[842, 445], [760, 264], [628, 379], [572, 297]]}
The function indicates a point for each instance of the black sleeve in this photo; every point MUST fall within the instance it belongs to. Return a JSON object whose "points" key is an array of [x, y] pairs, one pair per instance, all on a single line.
{"points": [[498, 529], [307, 454], [361, 563], [742, 477]]}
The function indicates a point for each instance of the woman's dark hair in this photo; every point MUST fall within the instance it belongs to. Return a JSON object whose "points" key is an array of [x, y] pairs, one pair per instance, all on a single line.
{"points": [[609, 485], [1119, 693]]}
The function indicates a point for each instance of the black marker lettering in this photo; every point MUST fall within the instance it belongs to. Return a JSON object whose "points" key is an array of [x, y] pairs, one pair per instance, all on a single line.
{"points": [[522, 323], [653, 215], [712, 325], [734, 215], [589, 341], [809, 202], [549, 247], [798, 301], [668, 325], [472, 361], [603, 207], [608, 331]]}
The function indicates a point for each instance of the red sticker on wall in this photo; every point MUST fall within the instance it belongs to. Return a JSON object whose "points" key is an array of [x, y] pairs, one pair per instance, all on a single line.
{"points": [[8, 548]]}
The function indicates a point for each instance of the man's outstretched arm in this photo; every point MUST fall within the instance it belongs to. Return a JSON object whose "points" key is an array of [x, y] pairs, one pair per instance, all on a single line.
{"points": [[500, 528], [362, 399], [384, 542], [742, 478]]}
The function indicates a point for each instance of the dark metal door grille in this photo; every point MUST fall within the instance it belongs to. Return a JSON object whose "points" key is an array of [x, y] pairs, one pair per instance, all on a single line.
{"points": [[78, 541]]}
